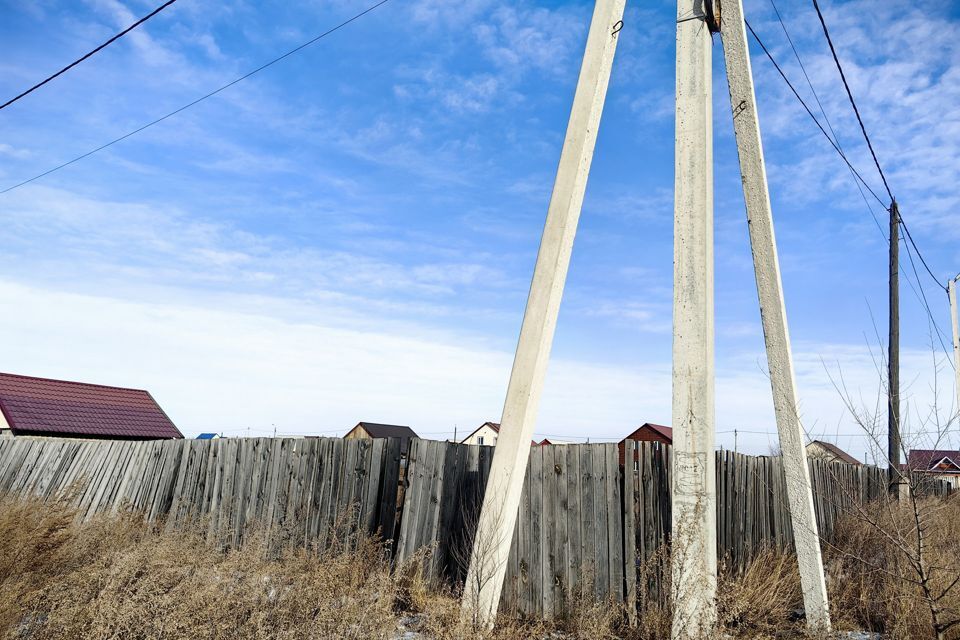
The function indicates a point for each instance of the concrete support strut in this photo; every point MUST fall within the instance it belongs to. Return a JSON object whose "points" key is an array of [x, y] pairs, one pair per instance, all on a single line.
{"points": [[952, 292], [773, 315], [491, 545], [694, 548]]}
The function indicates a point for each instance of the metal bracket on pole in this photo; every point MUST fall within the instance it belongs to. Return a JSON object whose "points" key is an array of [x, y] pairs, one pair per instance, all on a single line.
{"points": [[712, 10]]}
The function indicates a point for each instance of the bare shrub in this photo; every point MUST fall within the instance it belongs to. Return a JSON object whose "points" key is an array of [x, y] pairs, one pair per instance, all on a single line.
{"points": [[881, 584], [900, 548]]}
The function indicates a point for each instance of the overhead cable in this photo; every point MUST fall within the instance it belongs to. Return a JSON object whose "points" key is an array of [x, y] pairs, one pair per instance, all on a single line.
{"points": [[812, 116], [853, 102], [91, 53], [198, 100]]}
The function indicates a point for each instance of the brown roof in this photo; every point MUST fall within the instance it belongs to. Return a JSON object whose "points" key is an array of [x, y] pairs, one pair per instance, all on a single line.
{"points": [[837, 451], [379, 430], [930, 459], [659, 429], [41, 406], [493, 425]]}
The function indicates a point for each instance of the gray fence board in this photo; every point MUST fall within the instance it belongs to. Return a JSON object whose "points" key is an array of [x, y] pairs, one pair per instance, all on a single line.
{"points": [[586, 524]]}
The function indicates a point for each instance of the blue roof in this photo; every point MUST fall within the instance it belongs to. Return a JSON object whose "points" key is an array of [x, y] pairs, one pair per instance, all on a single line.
{"points": [[207, 436]]}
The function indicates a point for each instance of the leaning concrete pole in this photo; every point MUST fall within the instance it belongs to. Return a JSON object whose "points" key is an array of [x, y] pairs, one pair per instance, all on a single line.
{"points": [[952, 291], [491, 546], [773, 314], [694, 548]]}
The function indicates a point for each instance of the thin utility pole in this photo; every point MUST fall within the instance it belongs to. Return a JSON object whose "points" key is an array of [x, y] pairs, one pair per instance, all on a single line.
{"points": [[893, 358], [952, 291], [498, 516]]}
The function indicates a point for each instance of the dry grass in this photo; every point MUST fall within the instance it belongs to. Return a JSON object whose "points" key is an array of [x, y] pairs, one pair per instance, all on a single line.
{"points": [[759, 601], [114, 577], [873, 581]]}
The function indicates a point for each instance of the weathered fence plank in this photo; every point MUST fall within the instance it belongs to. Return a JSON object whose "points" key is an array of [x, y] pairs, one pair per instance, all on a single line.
{"points": [[586, 525], [230, 484]]}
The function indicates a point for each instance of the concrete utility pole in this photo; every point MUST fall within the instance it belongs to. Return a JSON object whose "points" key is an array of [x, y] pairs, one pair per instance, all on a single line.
{"points": [[893, 358], [952, 291], [773, 314], [501, 501], [694, 543]]}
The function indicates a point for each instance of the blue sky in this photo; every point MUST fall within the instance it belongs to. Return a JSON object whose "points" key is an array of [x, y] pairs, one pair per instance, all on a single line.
{"points": [[350, 234]]}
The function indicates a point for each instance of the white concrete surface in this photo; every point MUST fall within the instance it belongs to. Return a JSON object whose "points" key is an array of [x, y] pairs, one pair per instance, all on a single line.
{"points": [[773, 314], [694, 583], [502, 499]]}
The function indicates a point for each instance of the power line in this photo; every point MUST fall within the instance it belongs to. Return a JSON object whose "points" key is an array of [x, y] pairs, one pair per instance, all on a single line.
{"points": [[926, 304], [826, 118], [853, 102], [866, 137], [200, 99], [856, 111], [920, 255], [81, 59], [835, 141], [811, 114]]}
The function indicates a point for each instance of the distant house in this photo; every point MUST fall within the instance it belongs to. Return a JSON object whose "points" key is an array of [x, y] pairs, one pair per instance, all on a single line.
{"points": [[43, 407], [547, 441], [940, 463], [484, 434], [647, 432], [208, 436], [829, 452], [374, 430]]}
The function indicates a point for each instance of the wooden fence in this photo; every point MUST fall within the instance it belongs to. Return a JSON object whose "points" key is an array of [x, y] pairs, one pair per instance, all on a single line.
{"points": [[586, 524], [569, 532], [300, 486], [580, 511]]}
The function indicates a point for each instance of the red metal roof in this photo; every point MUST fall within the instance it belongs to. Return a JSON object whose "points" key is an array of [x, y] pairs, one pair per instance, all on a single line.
{"points": [[664, 432], [35, 406]]}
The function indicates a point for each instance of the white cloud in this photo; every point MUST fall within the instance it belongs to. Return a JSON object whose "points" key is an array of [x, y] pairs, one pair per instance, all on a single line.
{"points": [[14, 152], [53, 235], [905, 81], [221, 369], [522, 39]]}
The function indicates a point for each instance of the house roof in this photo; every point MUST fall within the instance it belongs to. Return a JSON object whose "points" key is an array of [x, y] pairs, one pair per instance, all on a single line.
{"points": [[493, 425], [837, 451], [380, 430], [659, 429], [930, 459], [207, 436], [59, 407]]}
